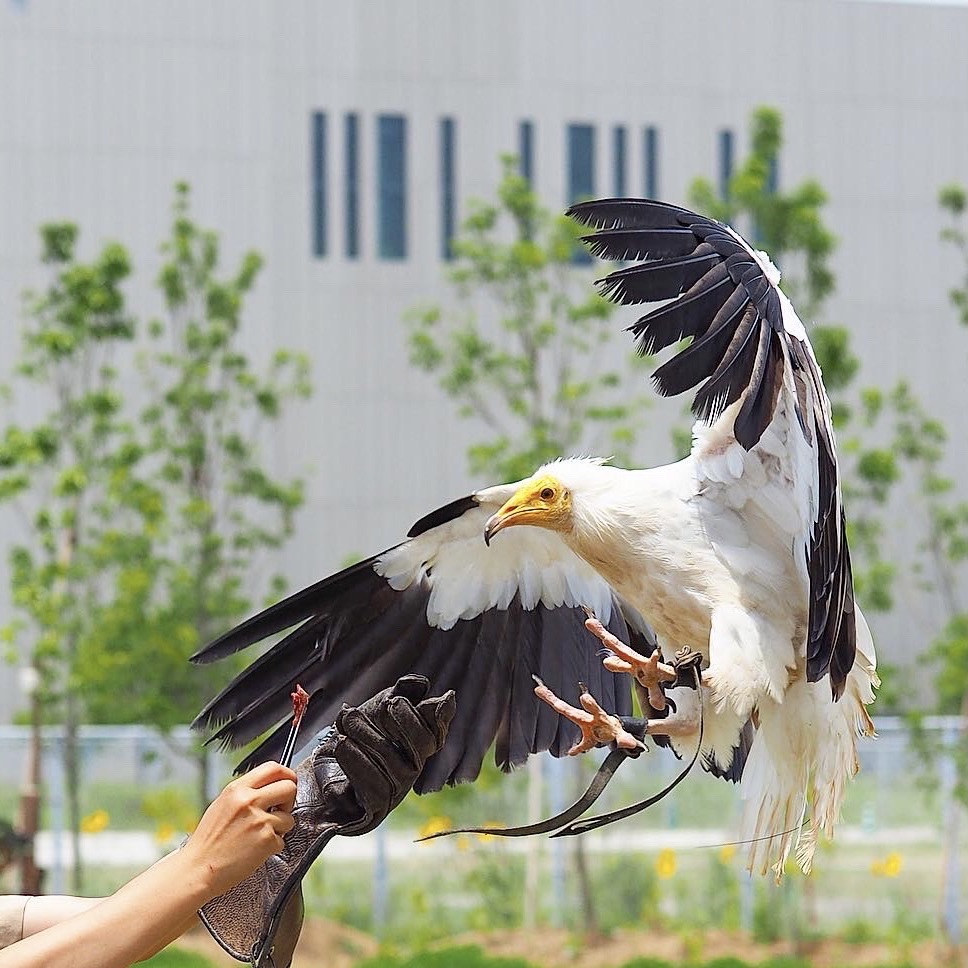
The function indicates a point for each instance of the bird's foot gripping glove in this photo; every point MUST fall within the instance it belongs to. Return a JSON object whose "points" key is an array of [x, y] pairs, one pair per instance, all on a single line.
{"points": [[356, 776]]}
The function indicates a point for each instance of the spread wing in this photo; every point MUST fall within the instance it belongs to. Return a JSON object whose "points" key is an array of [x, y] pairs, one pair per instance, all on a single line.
{"points": [[478, 620], [750, 358]]}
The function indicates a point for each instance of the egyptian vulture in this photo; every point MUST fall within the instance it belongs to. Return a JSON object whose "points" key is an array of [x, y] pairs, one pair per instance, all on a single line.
{"points": [[738, 551]]}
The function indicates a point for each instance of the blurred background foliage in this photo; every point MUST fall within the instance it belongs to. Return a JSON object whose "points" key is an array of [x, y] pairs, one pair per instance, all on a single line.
{"points": [[147, 514]]}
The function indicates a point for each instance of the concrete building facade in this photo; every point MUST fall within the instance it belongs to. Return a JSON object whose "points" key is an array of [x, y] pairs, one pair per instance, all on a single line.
{"points": [[344, 140]]}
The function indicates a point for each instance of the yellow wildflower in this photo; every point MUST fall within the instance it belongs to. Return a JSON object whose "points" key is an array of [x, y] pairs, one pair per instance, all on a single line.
{"points": [[434, 826], [95, 822], [164, 833], [890, 866], [665, 863]]}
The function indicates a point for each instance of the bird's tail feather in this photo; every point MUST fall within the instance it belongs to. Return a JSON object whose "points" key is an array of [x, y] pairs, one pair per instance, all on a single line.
{"points": [[774, 795], [796, 772]]}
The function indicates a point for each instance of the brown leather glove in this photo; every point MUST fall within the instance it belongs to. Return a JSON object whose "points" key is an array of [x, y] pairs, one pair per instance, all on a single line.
{"points": [[359, 772]]}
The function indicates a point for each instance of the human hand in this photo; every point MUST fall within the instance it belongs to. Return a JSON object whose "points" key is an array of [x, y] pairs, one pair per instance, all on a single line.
{"points": [[243, 826], [347, 785]]}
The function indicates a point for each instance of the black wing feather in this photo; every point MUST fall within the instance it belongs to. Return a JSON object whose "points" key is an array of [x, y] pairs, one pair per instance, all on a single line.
{"points": [[449, 512], [651, 282], [740, 348], [630, 213], [741, 751], [688, 315], [732, 376], [689, 367], [361, 635], [622, 244]]}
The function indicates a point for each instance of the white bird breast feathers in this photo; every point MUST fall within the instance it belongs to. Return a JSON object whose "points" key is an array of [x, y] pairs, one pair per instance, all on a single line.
{"points": [[467, 578]]}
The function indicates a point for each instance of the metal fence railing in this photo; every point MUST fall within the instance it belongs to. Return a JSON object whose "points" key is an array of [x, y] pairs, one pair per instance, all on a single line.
{"points": [[895, 860]]}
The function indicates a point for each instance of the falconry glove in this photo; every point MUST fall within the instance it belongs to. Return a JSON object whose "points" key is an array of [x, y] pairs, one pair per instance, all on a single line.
{"points": [[357, 774]]}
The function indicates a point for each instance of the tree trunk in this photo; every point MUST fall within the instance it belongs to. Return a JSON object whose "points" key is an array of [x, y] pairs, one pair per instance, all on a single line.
{"points": [[71, 752], [586, 895], [29, 819], [532, 857], [950, 873], [72, 775]]}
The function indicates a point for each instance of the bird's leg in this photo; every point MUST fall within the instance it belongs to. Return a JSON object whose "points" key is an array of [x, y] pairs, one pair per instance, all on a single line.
{"points": [[650, 672], [597, 726], [678, 723], [653, 675]]}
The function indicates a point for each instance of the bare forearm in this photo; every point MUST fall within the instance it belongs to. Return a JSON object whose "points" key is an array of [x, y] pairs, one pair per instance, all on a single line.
{"points": [[139, 920], [241, 828], [41, 913]]}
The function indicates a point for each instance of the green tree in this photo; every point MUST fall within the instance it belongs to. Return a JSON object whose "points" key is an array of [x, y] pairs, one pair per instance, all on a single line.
{"points": [[145, 525], [525, 350], [71, 476], [920, 442], [940, 565], [914, 455], [222, 510], [789, 225]]}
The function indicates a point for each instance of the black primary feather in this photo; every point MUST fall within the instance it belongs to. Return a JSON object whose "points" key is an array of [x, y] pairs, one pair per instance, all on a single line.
{"points": [[741, 348], [687, 369], [731, 376], [623, 244], [351, 635], [651, 282], [688, 315], [629, 213]]}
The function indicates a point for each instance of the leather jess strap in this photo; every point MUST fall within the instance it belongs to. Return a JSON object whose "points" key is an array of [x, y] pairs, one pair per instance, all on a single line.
{"points": [[567, 823]]}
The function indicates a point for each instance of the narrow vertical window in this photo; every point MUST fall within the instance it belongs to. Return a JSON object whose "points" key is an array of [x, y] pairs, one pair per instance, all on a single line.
{"points": [[318, 183], [351, 174], [618, 161], [392, 186], [581, 172], [581, 162], [650, 161], [725, 162], [526, 151], [448, 186]]}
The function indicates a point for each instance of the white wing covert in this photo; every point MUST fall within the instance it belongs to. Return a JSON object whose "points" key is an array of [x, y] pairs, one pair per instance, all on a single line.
{"points": [[478, 620]]}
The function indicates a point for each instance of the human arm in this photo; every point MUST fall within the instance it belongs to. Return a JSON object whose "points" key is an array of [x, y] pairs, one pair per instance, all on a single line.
{"points": [[348, 785], [241, 828], [24, 915]]}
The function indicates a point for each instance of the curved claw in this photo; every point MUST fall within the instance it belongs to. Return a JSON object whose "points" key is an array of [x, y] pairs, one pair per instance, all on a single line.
{"points": [[597, 726], [649, 671]]}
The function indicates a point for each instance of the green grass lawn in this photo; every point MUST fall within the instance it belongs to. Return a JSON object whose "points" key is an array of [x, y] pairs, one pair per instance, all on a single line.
{"points": [[175, 957]]}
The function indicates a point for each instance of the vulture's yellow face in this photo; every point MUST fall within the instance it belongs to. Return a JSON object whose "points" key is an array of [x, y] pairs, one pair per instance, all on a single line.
{"points": [[542, 502]]}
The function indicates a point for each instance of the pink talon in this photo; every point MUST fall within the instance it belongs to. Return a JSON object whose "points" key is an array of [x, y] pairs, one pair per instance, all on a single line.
{"points": [[597, 726]]}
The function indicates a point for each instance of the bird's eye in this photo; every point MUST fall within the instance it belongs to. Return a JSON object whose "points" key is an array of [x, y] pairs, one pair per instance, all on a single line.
{"points": [[547, 493]]}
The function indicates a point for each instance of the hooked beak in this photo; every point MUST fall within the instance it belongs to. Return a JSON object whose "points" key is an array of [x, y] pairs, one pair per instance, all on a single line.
{"points": [[504, 518], [493, 524], [529, 505]]}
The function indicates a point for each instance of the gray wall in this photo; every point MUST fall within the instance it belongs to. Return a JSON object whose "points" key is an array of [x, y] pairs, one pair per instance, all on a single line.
{"points": [[106, 104]]}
